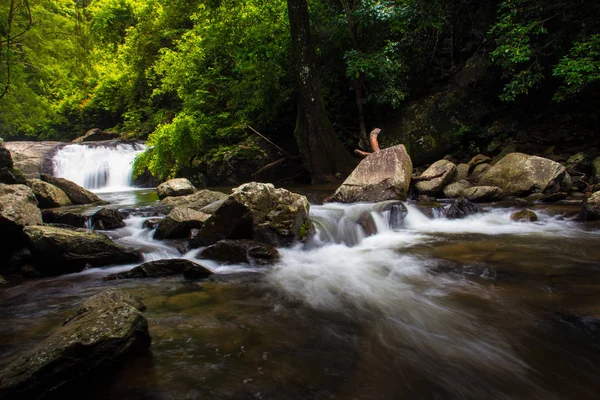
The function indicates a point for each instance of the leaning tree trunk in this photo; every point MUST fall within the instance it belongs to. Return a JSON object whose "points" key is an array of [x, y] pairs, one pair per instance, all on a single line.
{"points": [[322, 152]]}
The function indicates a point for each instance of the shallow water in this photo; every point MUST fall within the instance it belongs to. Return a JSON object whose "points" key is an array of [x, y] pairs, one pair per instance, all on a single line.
{"points": [[431, 309]]}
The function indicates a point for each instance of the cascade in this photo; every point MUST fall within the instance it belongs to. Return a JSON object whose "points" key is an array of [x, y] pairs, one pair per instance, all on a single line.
{"points": [[98, 167]]}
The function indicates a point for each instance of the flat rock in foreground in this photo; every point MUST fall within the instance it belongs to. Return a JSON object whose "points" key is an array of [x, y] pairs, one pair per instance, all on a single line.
{"points": [[384, 175], [107, 327]]}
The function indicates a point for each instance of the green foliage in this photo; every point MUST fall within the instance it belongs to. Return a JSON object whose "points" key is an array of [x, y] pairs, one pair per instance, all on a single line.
{"points": [[580, 68]]}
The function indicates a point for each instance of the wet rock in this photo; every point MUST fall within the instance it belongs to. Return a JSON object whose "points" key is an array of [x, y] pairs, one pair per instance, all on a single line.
{"points": [[479, 194], [462, 172], [97, 135], [58, 250], [160, 268], [18, 209], [64, 218], [478, 172], [444, 170], [76, 193], [196, 201], [591, 208], [47, 195], [106, 328], [154, 210], [179, 222], [106, 219], [175, 188], [151, 223], [456, 189], [241, 251], [519, 174], [524, 216], [478, 160], [260, 212], [381, 176], [461, 208]]}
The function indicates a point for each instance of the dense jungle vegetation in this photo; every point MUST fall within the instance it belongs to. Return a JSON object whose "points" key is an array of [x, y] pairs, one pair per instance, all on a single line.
{"points": [[192, 76]]}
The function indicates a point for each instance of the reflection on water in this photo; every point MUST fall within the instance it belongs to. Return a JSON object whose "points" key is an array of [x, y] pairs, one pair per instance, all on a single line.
{"points": [[481, 308]]}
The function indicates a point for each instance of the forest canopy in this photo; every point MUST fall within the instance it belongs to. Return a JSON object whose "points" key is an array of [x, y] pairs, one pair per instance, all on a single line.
{"points": [[191, 76]]}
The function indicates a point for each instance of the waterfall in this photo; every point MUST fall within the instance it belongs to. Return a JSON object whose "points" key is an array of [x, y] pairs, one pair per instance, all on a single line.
{"points": [[99, 167]]}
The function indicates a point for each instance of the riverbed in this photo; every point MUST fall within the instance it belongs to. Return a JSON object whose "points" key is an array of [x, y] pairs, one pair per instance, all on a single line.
{"points": [[480, 308]]}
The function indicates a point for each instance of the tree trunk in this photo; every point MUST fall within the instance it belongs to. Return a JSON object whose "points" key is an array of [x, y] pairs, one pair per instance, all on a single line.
{"points": [[323, 153]]}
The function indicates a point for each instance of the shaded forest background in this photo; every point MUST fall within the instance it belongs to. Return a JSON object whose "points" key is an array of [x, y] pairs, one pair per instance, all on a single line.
{"points": [[198, 78]]}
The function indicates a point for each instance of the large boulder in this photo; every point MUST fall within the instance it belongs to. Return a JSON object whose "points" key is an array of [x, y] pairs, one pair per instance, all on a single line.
{"points": [[174, 188], [461, 208], [436, 177], [196, 201], [47, 195], [160, 268], [591, 208], [520, 174], [381, 176], [462, 172], [260, 212], [106, 219], [456, 189], [179, 222], [479, 194], [18, 209], [63, 217], [59, 250], [76, 193], [97, 135], [32, 158], [101, 333], [241, 251], [478, 172]]}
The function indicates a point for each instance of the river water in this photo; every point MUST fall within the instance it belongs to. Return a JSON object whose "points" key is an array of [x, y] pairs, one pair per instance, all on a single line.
{"points": [[425, 308]]}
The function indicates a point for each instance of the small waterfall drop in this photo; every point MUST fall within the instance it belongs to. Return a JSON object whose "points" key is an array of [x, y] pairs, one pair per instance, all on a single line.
{"points": [[105, 168]]}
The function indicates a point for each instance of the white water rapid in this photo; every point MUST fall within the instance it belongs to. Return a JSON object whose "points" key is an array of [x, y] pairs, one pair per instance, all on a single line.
{"points": [[101, 168]]}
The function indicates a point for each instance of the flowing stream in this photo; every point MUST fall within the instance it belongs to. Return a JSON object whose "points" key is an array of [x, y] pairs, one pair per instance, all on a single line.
{"points": [[383, 303]]}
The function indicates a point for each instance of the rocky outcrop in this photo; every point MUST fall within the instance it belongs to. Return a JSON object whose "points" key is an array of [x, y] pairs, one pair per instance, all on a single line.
{"points": [[436, 177], [174, 188], [591, 208], [260, 212], [196, 201], [106, 219], [520, 174], [461, 208], [479, 194], [97, 135], [524, 216], [76, 193], [47, 195], [241, 251], [18, 209], [64, 218], [107, 327], [32, 158], [456, 189], [179, 222], [384, 175], [59, 250], [160, 268]]}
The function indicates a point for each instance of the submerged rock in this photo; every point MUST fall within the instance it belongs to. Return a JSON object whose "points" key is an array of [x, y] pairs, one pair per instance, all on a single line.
{"points": [[76, 193], [18, 209], [260, 212], [160, 268], [520, 174], [197, 201], [58, 250], [482, 193], [108, 326], [443, 171], [175, 188], [461, 208], [107, 218], [381, 176], [524, 216], [64, 218], [179, 222], [47, 195], [241, 251]]}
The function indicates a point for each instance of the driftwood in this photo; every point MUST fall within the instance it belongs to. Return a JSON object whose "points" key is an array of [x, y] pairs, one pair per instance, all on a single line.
{"points": [[374, 143]]}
